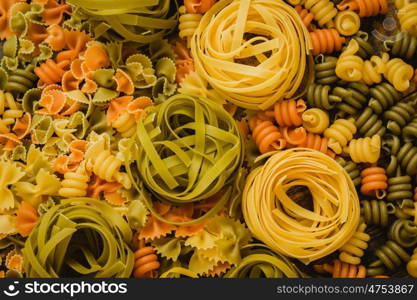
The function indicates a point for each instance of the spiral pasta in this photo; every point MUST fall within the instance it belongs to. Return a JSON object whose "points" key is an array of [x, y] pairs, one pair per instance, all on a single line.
{"points": [[315, 120], [374, 182], [325, 69], [400, 188], [340, 269], [289, 235], [407, 157], [404, 233], [350, 67], [365, 48], [305, 15], [402, 45], [368, 124], [267, 137], [398, 116], [374, 68], [365, 149], [384, 96], [353, 250], [412, 264], [260, 84], [50, 72], [326, 41], [125, 124], [323, 11], [351, 168], [407, 17], [20, 81], [320, 96], [409, 131], [318, 143], [399, 74], [188, 23], [146, 262], [347, 22], [340, 133], [376, 212], [354, 98], [389, 255], [365, 8], [288, 112], [74, 183]]}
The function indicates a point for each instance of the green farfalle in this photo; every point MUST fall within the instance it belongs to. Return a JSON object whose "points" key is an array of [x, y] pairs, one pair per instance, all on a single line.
{"points": [[41, 129], [104, 95], [141, 21], [10, 46], [104, 78], [159, 49], [10, 63], [98, 121], [79, 237], [18, 23], [26, 48], [46, 184], [30, 100], [34, 13], [10, 174], [78, 96], [114, 51], [137, 215], [79, 122], [61, 127], [139, 67], [45, 53], [168, 247], [165, 86], [19, 153]]}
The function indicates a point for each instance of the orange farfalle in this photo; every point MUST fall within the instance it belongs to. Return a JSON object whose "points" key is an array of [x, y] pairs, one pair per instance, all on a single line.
{"points": [[114, 198], [51, 72], [99, 186], [9, 140], [14, 261], [5, 6], [374, 182], [96, 58], [53, 12], [124, 82], [22, 126], [56, 37], [52, 102], [137, 106], [63, 165], [75, 43], [326, 41], [219, 269], [154, 228], [198, 6], [70, 163], [89, 86], [316, 142], [77, 69], [116, 107], [70, 108], [26, 219], [69, 82], [288, 113], [36, 33], [184, 231], [77, 149], [294, 136], [183, 62]]}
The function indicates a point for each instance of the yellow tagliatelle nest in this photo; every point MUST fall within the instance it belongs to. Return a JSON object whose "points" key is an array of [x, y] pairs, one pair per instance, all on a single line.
{"points": [[252, 52], [289, 228]]}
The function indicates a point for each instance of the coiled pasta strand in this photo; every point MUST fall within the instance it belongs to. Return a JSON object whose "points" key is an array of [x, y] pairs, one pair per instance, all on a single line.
{"points": [[326, 41], [319, 96], [374, 68], [407, 157], [21, 80], [365, 48], [188, 23], [365, 149], [390, 255], [376, 212], [403, 232], [51, 72], [349, 67], [316, 142], [315, 120], [409, 132], [400, 187], [340, 133], [407, 17], [339, 269], [353, 97], [347, 23], [398, 116], [125, 124], [306, 16], [266, 135], [374, 182], [351, 168], [399, 74], [412, 264], [365, 8], [368, 124], [75, 183], [288, 113], [323, 11], [402, 45], [146, 262], [384, 96], [324, 68], [353, 250]]}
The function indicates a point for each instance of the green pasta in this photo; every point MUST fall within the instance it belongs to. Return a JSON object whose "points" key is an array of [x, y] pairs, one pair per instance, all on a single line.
{"points": [[404, 233], [409, 132], [390, 256], [325, 69], [402, 45], [369, 124], [21, 80], [384, 96], [376, 212], [398, 116], [320, 96], [353, 97], [79, 237], [365, 48], [352, 169], [399, 187], [407, 157]]}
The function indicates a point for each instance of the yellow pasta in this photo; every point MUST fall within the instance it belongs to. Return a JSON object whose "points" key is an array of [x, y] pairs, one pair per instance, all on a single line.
{"points": [[374, 68], [353, 250], [315, 120], [340, 133], [252, 72], [349, 67], [399, 74], [323, 11], [407, 16], [188, 23], [347, 22], [289, 228], [365, 150], [74, 183]]}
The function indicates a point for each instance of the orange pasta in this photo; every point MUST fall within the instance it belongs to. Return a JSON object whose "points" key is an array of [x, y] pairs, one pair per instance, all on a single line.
{"points": [[56, 37], [198, 6], [99, 186], [415, 194], [306, 16], [137, 106], [70, 82], [36, 33], [9, 140], [124, 82], [316, 142], [326, 41], [268, 137], [89, 86], [374, 182], [64, 164], [96, 58], [294, 136], [14, 261], [146, 262], [340, 269], [51, 72], [365, 8], [22, 126], [26, 219], [5, 6], [116, 107], [288, 113], [183, 62], [52, 102], [155, 228], [53, 12]]}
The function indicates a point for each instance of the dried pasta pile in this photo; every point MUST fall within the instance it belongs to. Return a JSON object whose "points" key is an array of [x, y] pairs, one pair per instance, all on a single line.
{"points": [[208, 138]]}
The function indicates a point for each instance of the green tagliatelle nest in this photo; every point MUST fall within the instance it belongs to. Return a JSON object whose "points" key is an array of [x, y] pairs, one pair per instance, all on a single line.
{"points": [[187, 149], [79, 237]]}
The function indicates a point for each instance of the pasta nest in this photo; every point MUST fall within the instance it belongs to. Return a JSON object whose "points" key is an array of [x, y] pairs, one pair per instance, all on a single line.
{"points": [[287, 226], [188, 149], [261, 55]]}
